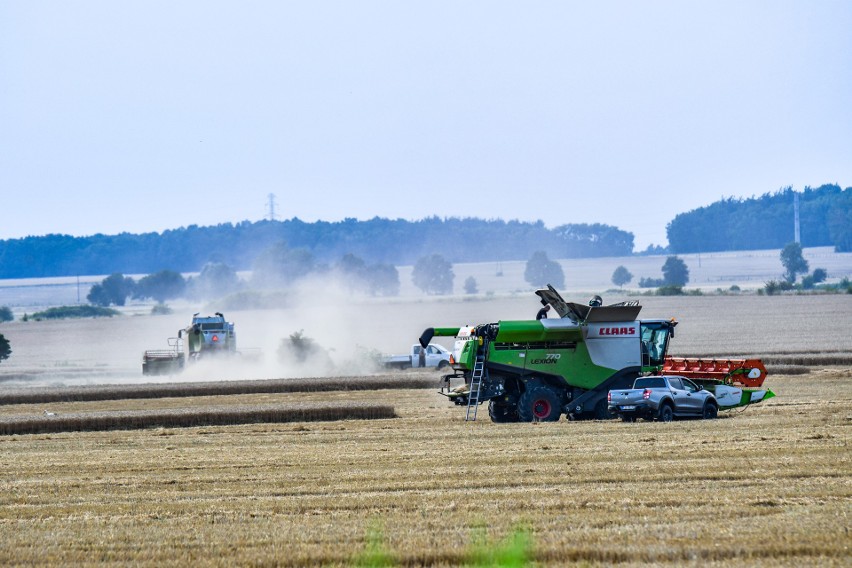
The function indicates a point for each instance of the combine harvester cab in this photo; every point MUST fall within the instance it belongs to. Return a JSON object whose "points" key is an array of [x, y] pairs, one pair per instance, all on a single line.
{"points": [[537, 370], [206, 336]]}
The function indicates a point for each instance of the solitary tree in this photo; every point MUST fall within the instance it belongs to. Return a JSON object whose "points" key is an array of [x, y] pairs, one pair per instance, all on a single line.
{"points": [[382, 279], [161, 286], [621, 276], [540, 271], [114, 289], [433, 274], [215, 280], [793, 261], [5, 349], [675, 272], [280, 265], [6, 314], [470, 285]]}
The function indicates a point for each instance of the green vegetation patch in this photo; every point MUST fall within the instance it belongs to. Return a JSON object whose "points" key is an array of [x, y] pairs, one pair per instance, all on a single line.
{"points": [[84, 311]]}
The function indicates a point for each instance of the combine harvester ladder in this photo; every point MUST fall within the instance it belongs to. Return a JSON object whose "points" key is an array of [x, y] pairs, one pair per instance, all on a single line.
{"points": [[475, 385]]}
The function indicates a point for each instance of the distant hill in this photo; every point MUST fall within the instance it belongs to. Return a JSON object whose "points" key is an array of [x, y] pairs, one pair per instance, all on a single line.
{"points": [[766, 222], [376, 241]]}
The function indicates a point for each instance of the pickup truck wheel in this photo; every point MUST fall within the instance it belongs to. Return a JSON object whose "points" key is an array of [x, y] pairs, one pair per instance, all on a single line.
{"points": [[710, 411], [540, 404], [443, 365], [502, 413], [666, 413]]}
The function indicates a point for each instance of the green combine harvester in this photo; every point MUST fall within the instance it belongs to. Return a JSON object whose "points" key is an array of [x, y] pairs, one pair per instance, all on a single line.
{"points": [[205, 337], [537, 370]]}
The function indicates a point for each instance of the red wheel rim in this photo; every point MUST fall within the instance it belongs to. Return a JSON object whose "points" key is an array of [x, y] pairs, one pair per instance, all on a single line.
{"points": [[541, 408]]}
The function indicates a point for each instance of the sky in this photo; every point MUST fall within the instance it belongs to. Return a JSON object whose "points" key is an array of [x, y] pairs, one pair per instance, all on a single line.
{"points": [[141, 116]]}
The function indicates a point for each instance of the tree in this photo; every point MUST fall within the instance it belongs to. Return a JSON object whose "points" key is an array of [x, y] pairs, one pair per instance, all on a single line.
{"points": [[5, 349], [6, 314], [279, 265], [675, 272], [819, 275], [470, 285], [382, 280], [161, 286], [541, 271], [215, 280], [433, 274], [621, 276], [114, 289], [793, 261]]}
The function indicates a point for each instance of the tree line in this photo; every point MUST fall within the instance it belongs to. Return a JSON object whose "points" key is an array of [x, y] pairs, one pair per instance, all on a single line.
{"points": [[378, 240], [766, 222]]}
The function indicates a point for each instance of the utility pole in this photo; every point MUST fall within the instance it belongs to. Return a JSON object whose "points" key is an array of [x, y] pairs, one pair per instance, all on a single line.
{"points": [[798, 236], [270, 204]]}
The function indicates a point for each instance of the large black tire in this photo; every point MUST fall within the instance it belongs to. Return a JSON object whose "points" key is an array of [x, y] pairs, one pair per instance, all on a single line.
{"points": [[602, 410], [710, 412], [666, 413], [443, 365], [501, 412], [539, 404]]}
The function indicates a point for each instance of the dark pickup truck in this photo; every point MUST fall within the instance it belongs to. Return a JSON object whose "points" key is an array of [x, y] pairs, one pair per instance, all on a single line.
{"points": [[662, 398]]}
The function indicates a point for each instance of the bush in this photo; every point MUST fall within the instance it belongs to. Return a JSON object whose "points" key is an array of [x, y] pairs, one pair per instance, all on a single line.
{"points": [[85, 311], [670, 291], [650, 282], [161, 310], [6, 314], [775, 286], [5, 348]]}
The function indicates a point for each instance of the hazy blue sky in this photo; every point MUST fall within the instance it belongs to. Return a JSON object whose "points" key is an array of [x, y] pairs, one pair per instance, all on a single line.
{"points": [[144, 116]]}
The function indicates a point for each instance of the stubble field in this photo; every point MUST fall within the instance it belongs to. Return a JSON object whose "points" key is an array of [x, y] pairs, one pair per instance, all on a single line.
{"points": [[768, 486]]}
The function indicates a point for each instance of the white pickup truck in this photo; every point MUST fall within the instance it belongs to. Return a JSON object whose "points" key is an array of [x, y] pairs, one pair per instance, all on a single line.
{"points": [[432, 356]]}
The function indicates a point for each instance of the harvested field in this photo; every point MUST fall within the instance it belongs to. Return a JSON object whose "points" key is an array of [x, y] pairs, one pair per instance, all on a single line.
{"points": [[771, 485]]}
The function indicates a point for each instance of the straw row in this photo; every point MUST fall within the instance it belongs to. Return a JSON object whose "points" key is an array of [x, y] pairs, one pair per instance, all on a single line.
{"points": [[39, 395], [189, 417]]}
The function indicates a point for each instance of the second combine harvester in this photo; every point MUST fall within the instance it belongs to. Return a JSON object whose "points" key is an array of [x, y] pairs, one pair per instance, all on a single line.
{"points": [[540, 369]]}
